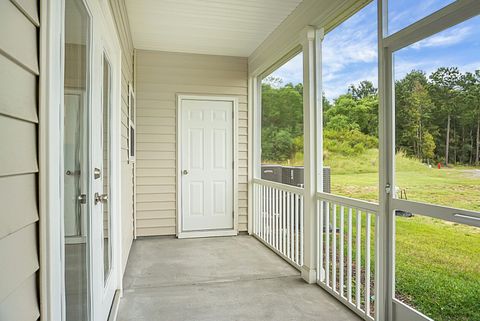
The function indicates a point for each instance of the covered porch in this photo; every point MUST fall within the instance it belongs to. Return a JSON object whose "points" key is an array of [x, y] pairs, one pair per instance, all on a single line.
{"points": [[226, 278]]}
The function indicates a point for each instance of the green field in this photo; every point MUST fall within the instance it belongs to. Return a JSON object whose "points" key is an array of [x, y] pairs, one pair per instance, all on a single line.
{"points": [[437, 262]]}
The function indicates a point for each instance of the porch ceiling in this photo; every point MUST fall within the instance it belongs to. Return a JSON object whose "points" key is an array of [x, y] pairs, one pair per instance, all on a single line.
{"points": [[217, 27]]}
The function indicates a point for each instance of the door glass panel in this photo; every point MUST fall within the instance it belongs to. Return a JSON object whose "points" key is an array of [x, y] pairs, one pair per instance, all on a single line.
{"points": [[437, 111], [402, 13], [107, 246], [75, 146], [437, 267]]}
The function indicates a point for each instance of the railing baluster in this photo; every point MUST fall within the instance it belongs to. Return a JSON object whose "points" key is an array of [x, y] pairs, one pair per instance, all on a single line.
{"points": [[327, 243], [367, 264], [358, 263], [334, 248], [297, 252], [292, 227], [283, 223], [349, 257], [276, 219], [274, 210], [264, 221], [255, 212], [301, 230], [342, 244], [270, 215], [289, 249], [320, 272]]}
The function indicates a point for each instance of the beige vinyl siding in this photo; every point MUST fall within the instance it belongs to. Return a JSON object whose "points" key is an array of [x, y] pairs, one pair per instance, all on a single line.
{"points": [[123, 30], [160, 76], [19, 262]]}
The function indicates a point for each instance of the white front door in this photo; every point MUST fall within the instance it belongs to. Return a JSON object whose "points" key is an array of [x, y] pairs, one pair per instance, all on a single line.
{"points": [[206, 164]]}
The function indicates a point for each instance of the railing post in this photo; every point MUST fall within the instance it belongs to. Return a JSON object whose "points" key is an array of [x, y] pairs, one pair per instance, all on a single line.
{"points": [[307, 39]]}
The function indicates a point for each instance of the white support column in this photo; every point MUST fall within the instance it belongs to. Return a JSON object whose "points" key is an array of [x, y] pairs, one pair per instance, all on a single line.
{"points": [[251, 164], [310, 134]]}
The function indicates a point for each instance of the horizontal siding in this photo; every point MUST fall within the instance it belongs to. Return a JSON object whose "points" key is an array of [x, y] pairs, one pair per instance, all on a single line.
{"points": [[18, 95], [26, 293], [21, 250], [11, 187], [127, 189], [18, 155], [19, 246], [18, 36], [160, 76]]}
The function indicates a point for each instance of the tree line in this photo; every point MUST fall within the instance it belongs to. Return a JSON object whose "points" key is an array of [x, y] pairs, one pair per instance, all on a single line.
{"points": [[437, 118]]}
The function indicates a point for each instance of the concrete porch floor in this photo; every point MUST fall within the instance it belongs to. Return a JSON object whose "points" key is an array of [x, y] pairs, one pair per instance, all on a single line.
{"points": [[225, 278]]}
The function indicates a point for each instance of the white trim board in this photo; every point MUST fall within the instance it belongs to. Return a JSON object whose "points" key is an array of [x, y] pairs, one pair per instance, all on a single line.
{"points": [[179, 231]]}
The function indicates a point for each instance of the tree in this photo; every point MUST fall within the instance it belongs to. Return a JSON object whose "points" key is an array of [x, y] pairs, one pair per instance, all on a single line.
{"points": [[444, 85], [413, 108], [471, 96], [364, 89], [361, 113]]}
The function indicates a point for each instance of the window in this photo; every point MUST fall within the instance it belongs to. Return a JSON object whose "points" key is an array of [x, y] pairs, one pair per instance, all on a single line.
{"points": [[437, 117], [350, 107], [282, 124], [131, 124], [402, 13]]}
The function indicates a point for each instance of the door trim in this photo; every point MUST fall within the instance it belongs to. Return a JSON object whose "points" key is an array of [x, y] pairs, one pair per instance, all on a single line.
{"points": [[207, 233]]}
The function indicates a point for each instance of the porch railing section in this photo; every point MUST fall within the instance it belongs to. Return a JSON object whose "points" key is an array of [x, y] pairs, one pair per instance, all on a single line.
{"points": [[278, 218], [347, 251]]}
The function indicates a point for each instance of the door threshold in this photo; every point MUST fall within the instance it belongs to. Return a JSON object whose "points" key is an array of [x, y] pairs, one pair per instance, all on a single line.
{"points": [[209, 233]]}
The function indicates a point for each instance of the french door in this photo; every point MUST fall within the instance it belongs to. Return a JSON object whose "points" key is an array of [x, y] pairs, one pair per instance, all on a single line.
{"points": [[431, 209], [90, 262]]}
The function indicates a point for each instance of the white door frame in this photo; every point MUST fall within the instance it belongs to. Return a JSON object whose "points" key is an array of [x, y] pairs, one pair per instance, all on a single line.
{"points": [[191, 234], [51, 91]]}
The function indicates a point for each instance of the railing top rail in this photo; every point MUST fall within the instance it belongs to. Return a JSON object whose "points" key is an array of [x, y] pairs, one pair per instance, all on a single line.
{"points": [[352, 202], [280, 186]]}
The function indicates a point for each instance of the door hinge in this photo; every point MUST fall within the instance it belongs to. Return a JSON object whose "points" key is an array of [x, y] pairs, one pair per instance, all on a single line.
{"points": [[388, 189]]}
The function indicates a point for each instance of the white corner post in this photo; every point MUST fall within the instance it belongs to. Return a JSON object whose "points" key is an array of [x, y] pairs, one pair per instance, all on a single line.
{"points": [[308, 40]]}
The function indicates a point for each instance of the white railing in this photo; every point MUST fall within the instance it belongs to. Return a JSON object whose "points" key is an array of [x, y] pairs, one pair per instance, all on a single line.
{"points": [[278, 218], [346, 245]]}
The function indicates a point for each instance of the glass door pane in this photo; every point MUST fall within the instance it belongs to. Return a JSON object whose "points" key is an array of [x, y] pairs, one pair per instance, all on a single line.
{"points": [[107, 245], [76, 156]]}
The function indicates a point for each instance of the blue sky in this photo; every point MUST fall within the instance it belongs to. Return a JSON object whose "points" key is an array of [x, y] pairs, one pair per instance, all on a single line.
{"points": [[350, 50]]}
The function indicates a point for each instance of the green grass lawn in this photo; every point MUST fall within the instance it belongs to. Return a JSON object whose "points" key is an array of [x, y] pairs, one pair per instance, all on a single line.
{"points": [[437, 262]]}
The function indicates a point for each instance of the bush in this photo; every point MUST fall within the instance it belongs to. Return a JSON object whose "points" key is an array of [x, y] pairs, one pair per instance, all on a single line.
{"points": [[348, 142]]}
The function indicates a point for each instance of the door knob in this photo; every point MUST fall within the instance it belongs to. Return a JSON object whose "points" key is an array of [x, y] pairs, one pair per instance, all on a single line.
{"points": [[185, 172], [100, 198]]}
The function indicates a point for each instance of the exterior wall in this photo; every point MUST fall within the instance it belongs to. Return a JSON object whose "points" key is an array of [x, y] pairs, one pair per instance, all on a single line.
{"points": [[160, 76], [19, 263], [123, 30]]}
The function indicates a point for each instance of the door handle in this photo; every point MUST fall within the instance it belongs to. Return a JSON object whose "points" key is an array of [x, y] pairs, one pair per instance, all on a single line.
{"points": [[185, 172], [100, 198]]}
